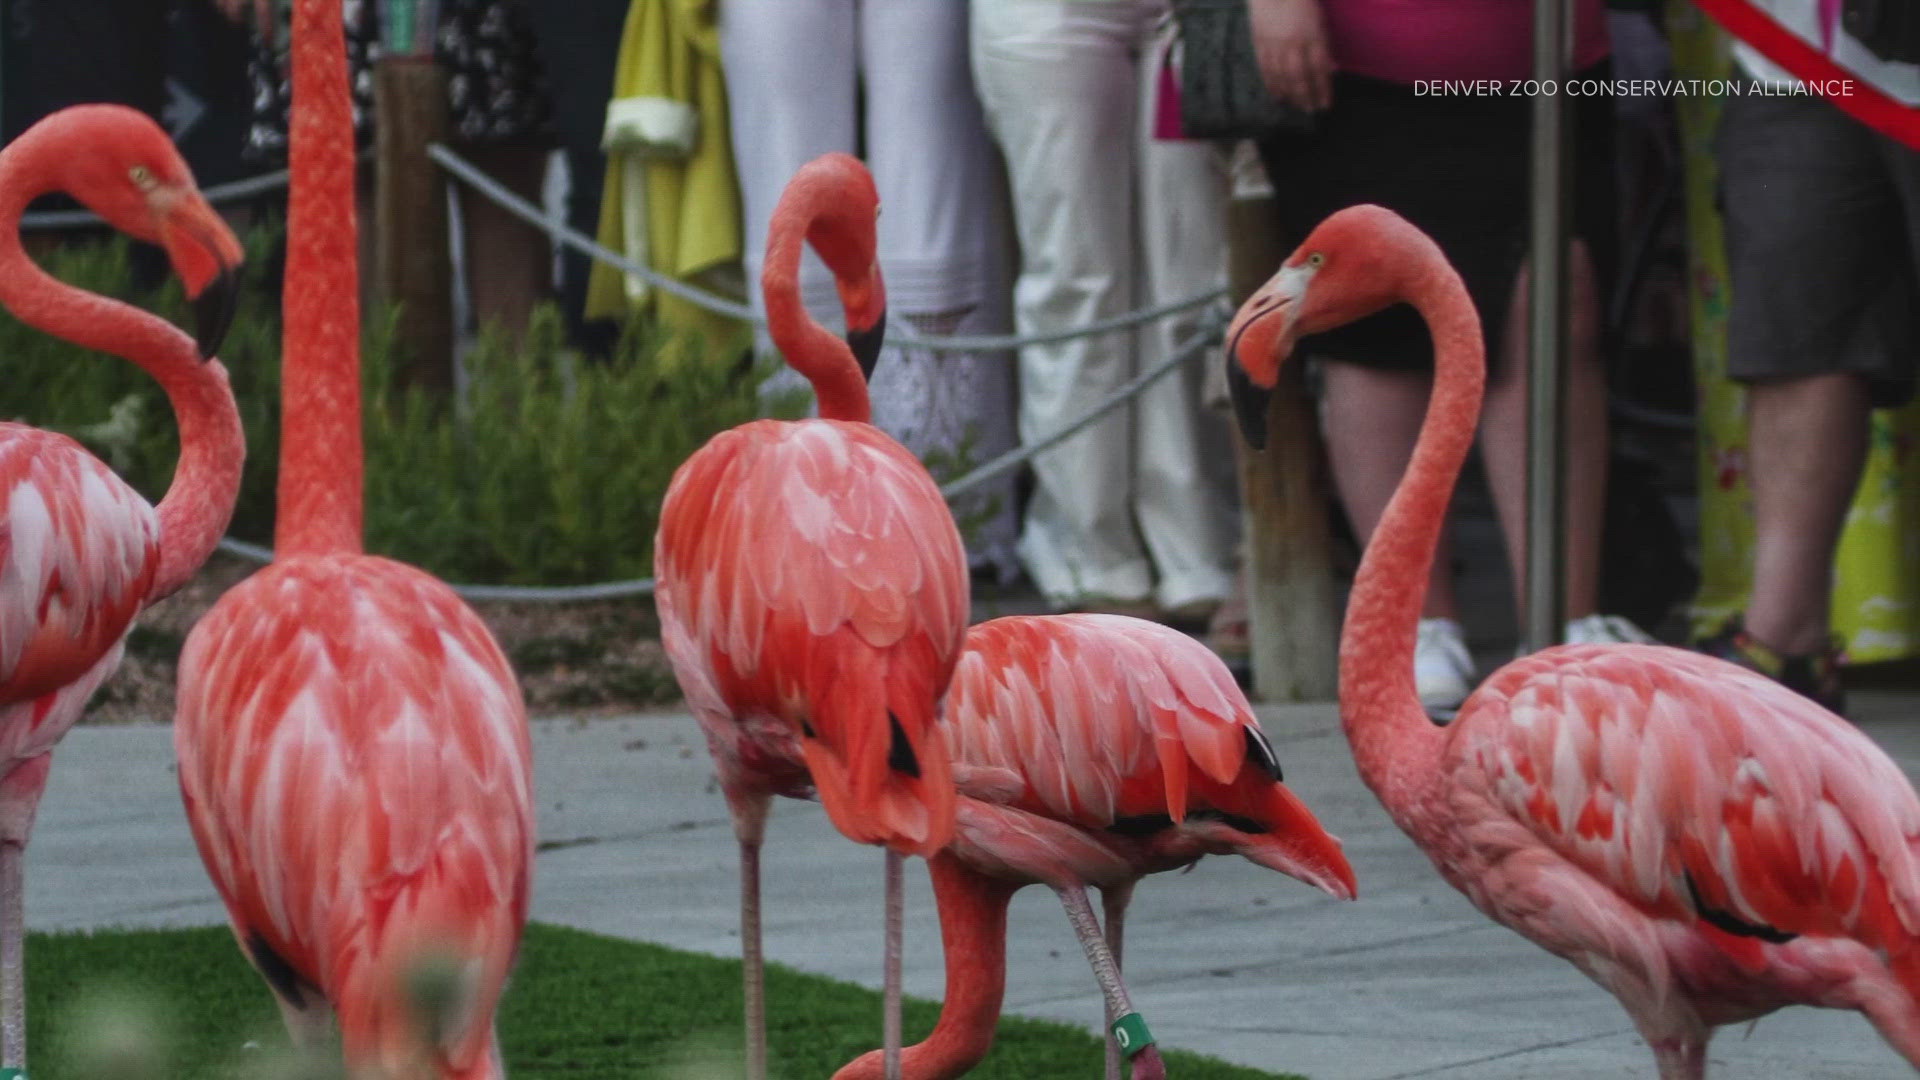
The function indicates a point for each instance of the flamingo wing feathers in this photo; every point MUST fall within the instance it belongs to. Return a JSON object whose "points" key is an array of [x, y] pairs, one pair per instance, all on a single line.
{"points": [[1699, 790], [812, 572], [1102, 716], [78, 551], [355, 763]]}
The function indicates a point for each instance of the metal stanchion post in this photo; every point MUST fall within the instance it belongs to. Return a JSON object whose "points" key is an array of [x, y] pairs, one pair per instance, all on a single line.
{"points": [[1547, 331]]}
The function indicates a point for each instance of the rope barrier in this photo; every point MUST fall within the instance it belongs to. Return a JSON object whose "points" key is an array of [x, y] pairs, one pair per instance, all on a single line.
{"points": [[1193, 346], [560, 232], [467, 174]]}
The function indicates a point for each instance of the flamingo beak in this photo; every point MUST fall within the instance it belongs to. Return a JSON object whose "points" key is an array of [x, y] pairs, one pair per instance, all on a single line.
{"points": [[205, 254], [1260, 337], [866, 307], [213, 311]]}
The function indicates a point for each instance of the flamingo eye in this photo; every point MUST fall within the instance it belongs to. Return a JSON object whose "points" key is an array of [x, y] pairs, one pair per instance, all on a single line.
{"points": [[141, 176], [1315, 260]]}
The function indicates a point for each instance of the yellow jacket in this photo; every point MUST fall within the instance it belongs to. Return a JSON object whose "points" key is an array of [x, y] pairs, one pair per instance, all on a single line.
{"points": [[672, 201]]}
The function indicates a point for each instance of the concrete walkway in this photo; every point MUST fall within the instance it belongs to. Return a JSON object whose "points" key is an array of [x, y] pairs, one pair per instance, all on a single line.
{"points": [[1230, 959]]}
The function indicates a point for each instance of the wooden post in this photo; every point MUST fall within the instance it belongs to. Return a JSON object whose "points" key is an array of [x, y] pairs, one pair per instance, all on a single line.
{"points": [[1292, 610], [412, 265]]}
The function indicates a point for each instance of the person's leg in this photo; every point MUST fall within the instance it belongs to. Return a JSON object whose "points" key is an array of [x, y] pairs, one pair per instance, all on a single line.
{"points": [[1057, 79], [1503, 436], [1369, 418], [509, 262], [943, 243], [1184, 486], [1807, 445], [1821, 312], [578, 43], [791, 73]]}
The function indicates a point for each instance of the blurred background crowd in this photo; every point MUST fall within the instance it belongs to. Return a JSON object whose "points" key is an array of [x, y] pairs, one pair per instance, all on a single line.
{"points": [[1739, 431]]}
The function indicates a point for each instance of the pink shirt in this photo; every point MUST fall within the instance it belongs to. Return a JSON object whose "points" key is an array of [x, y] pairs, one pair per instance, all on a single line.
{"points": [[1410, 40]]}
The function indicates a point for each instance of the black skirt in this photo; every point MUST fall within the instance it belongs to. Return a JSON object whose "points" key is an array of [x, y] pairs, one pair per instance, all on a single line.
{"points": [[1456, 166]]}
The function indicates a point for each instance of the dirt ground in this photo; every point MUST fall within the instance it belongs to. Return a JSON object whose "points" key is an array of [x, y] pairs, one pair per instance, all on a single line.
{"points": [[583, 659]]}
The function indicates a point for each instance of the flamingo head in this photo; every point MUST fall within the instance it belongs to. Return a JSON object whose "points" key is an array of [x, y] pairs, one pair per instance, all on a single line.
{"points": [[125, 169], [845, 231], [1353, 264]]}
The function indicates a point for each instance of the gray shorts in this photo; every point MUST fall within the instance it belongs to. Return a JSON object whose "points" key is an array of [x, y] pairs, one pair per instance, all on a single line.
{"points": [[1822, 220]]}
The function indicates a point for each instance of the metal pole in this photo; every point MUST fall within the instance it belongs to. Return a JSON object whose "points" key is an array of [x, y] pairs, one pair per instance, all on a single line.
{"points": [[1547, 330]]}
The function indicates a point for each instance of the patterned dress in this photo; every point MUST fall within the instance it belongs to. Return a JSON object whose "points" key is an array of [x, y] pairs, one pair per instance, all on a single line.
{"points": [[496, 89]]}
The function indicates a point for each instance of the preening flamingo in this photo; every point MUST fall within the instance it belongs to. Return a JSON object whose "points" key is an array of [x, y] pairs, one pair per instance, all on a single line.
{"points": [[81, 552], [353, 747], [1130, 751], [812, 586], [1701, 842]]}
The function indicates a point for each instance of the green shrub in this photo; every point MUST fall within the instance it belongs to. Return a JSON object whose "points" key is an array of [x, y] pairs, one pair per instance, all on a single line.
{"points": [[545, 470], [116, 409]]}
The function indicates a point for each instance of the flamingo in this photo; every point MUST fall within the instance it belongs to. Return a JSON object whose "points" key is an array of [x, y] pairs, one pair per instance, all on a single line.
{"points": [[353, 748], [81, 553], [1129, 751], [812, 588], [1703, 843]]}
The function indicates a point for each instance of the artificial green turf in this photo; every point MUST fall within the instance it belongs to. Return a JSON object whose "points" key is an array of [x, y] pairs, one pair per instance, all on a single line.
{"points": [[581, 1007]]}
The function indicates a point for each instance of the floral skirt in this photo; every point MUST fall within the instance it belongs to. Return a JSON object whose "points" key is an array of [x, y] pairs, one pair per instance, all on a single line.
{"points": [[496, 88]]}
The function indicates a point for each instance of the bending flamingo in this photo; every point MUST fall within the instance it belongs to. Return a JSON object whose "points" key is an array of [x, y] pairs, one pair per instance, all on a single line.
{"points": [[1130, 751], [353, 747], [812, 587], [1702, 843], [81, 552]]}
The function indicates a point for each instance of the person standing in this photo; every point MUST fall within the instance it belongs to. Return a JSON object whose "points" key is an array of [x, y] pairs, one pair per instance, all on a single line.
{"points": [[1136, 513], [1822, 226], [1457, 167]]}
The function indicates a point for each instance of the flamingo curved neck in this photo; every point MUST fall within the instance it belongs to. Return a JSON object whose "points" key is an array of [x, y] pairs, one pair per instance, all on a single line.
{"points": [[809, 348], [199, 502], [321, 458], [973, 935], [1396, 747]]}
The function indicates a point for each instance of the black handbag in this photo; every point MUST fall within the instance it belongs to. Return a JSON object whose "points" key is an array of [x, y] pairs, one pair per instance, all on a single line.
{"points": [[1221, 93], [1890, 29]]}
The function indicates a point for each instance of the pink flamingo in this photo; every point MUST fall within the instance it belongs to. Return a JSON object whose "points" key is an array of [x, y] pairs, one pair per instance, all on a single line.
{"points": [[1125, 749], [81, 552], [813, 590], [1704, 844], [353, 748]]}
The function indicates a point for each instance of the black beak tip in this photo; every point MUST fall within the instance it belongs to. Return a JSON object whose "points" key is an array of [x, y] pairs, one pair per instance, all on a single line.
{"points": [[213, 312], [866, 345], [1249, 404]]}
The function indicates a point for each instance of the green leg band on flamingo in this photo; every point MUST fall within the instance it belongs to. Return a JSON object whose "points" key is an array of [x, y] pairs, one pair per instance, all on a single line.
{"points": [[13, 1074], [1130, 1031]]}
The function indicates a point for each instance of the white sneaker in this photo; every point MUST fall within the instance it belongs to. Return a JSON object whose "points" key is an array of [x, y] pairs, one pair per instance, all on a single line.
{"points": [[1600, 629], [1442, 667]]}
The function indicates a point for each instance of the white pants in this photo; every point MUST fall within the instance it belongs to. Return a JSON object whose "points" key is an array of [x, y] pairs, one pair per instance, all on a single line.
{"points": [[1140, 505], [795, 72]]}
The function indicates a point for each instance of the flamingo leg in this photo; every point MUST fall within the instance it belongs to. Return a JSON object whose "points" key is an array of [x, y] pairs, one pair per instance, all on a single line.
{"points": [[13, 960], [752, 966], [1114, 901], [1146, 1064], [20, 792], [890, 1003]]}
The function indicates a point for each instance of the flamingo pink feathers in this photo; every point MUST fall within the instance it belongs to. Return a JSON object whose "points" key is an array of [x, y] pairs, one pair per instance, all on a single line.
{"points": [[81, 552], [1702, 843], [812, 586], [1120, 748], [354, 754]]}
